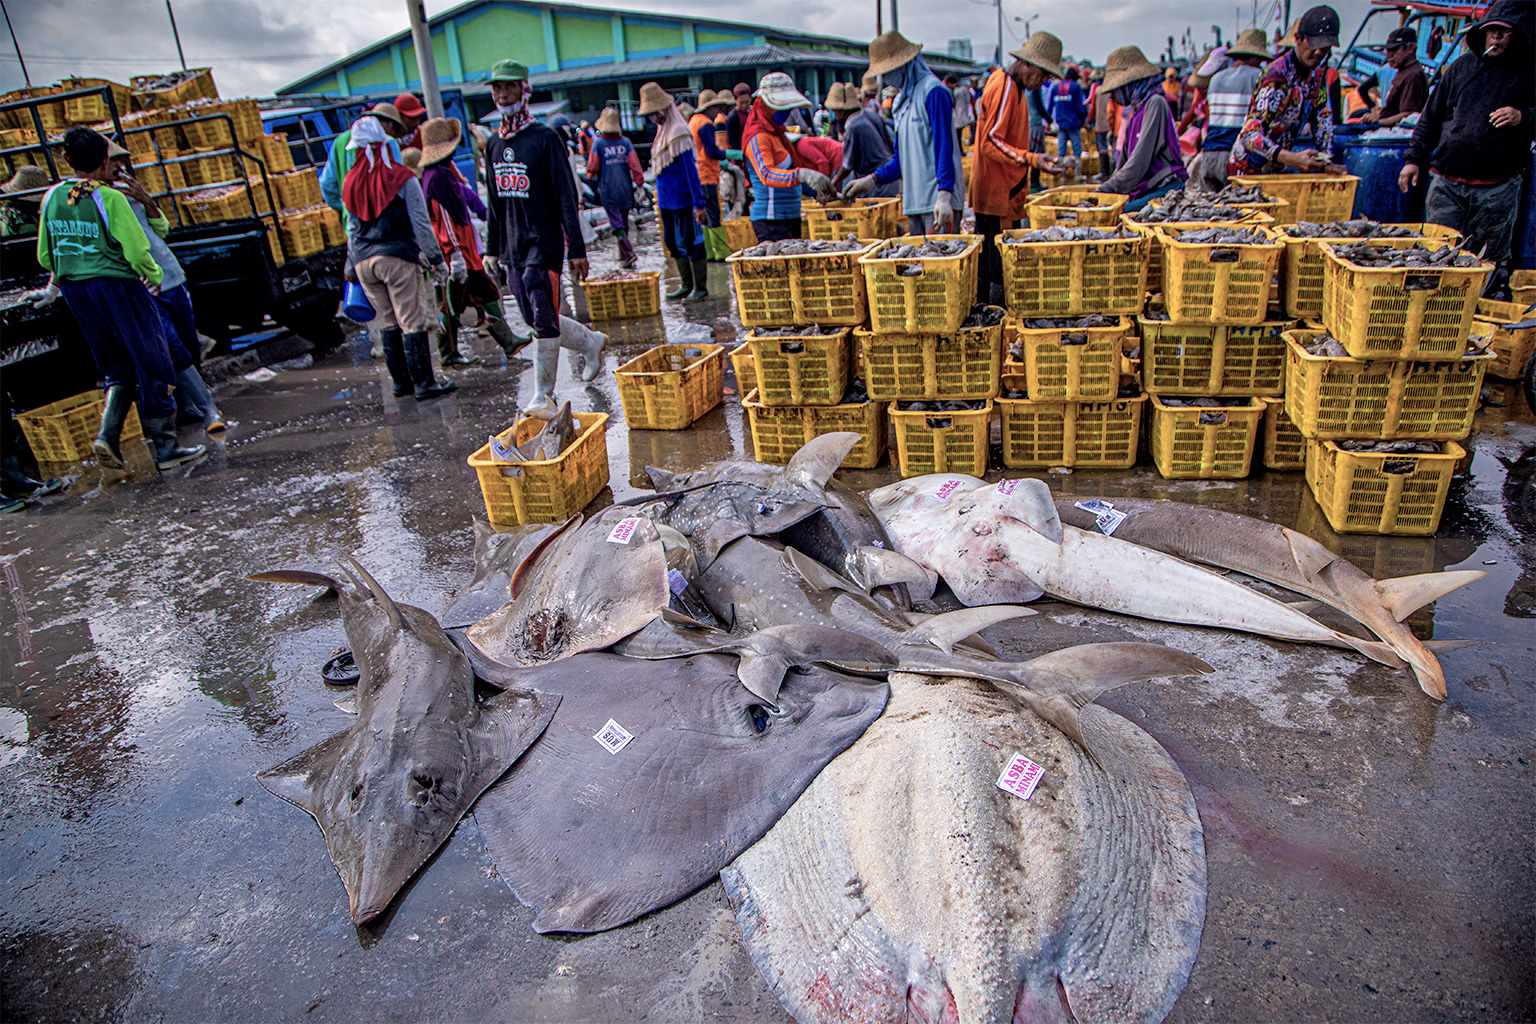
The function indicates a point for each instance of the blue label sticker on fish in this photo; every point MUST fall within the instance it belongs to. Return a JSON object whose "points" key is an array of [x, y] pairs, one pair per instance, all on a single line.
{"points": [[613, 737], [624, 530], [676, 582], [1020, 777]]}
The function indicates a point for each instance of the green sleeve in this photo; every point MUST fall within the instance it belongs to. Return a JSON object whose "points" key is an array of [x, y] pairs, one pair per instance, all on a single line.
{"points": [[160, 225], [44, 260], [124, 225]]}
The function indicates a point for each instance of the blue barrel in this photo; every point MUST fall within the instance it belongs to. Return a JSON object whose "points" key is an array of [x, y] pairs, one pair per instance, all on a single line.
{"points": [[1377, 163], [1523, 255]]}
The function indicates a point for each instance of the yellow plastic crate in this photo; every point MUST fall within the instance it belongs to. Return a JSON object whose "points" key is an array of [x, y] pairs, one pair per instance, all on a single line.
{"points": [[296, 189], [1082, 364], [619, 300], [817, 288], [1217, 284], [226, 202], [1085, 142], [1367, 492], [1400, 313], [548, 490], [936, 300], [1511, 349], [1213, 359], [746, 369], [942, 442], [1205, 444], [1301, 266], [302, 233], [275, 153], [332, 228], [90, 109], [1336, 397], [862, 218], [1285, 447], [1319, 198], [1082, 435], [1050, 208], [196, 83], [1522, 287], [658, 394], [808, 369], [62, 431], [244, 114], [963, 364], [202, 168], [777, 433], [1155, 247], [1107, 276], [52, 114], [739, 234]]}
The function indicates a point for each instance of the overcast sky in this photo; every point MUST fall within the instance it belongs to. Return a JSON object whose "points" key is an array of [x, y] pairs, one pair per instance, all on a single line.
{"points": [[256, 46]]}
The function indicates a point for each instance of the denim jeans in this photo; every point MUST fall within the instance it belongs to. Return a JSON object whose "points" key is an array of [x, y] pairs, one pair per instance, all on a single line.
{"points": [[1065, 140], [1484, 213], [683, 235]]}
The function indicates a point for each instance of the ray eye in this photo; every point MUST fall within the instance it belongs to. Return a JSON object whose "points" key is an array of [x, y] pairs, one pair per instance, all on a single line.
{"points": [[357, 792]]}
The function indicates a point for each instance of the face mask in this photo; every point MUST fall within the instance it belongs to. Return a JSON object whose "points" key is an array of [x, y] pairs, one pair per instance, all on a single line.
{"points": [[780, 116]]}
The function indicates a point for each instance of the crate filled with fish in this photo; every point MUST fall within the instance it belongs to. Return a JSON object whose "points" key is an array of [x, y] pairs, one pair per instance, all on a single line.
{"points": [[1331, 394], [1319, 198], [1189, 211], [1212, 359], [1075, 206], [621, 294], [1062, 271], [859, 218], [1499, 324], [1284, 447], [543, 471], [1401, 303], [1075, 358], [303, 231], [670, 386], [244, 115], [296, 189], [1382, 486], [941, 436], [1218, 275], [276, 153], [921, 285], [800, 365], [1301, 265], [163, 92], [227, 202], [1252, 198], [93, 108], [964, 363], [1203, 438], [779, 432], [800, 281], [1051, 434]]}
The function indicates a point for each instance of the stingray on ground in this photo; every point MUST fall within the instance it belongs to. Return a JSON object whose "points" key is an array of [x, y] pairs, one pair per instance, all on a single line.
{"points": [[905, 885]]}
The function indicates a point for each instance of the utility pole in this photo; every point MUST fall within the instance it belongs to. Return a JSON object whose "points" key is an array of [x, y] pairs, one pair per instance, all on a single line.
{"points": [[895, 18], [175, 34], [999, 4], [426, 63], [25, 77], [879, 17]]}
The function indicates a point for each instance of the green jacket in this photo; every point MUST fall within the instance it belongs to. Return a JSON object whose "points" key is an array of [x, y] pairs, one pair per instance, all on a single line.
{"points": [[88, 230]]}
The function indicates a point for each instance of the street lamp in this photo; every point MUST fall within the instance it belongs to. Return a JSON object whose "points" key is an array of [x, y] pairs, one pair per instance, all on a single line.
{"points": [[1026, 21]]}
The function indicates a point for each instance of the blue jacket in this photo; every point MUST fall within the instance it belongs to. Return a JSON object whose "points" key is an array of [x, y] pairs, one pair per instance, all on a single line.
{"points": [[1067, 105], [677, 186]]}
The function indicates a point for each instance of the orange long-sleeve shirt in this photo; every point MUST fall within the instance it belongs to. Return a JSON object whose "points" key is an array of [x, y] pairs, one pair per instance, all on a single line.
{"points": [[1003, 158]]}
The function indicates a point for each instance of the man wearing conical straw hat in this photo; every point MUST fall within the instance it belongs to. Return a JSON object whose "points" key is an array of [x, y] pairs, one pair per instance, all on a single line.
{"points": [[927, 156], [1227, 97]]}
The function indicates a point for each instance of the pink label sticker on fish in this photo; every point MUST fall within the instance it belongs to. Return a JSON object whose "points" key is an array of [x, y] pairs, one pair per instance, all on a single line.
{"points": [[947, 488], [1020, 777], [1007, 487], [613, 737], [624, 530]]}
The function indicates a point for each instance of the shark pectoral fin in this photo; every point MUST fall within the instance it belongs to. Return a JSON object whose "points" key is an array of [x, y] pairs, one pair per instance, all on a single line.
{"points": [[524, 570], [302, 577], [1311, 557], [813, 465], [385, 601], [661, 480], [882, 567], [1030, 502], [347, 703], [294, 779], [1443, 646], [679, 619], [810, 645], [1407, 594], [818, 575], [944, 631], [507, 725]]}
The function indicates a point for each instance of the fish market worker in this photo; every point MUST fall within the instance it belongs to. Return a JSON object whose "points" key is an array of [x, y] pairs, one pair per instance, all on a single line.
{"points": [[679, 196], [927, 157], [1292, 95], [1153, 162], [1475, 135], [867, 142], [339, 162], [1409, 91], [774, 168], [707, 154]]}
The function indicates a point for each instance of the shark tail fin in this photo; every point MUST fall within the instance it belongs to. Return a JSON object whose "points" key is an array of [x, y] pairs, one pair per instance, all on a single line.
{"points": [[1406, 594], [768, 654], [813, 465], [303, 577], [385, 601], [948, 629]]}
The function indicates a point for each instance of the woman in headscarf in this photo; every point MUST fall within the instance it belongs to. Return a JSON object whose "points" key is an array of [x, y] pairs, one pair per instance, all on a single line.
{"points": [[927, 156], [389, 232], [452, 202], [1151, 161], [677, 192], [774, 168]]}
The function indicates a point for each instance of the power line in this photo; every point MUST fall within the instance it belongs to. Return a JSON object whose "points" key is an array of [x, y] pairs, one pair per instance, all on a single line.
{"points": [[213, 59]]}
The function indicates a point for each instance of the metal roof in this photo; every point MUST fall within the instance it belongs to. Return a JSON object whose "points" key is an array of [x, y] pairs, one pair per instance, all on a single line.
{"points": [[683, 63]]}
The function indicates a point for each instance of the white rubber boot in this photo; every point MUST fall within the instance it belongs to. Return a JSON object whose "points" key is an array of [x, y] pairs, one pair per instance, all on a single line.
{"points": [[546, 360], [585, 342]]}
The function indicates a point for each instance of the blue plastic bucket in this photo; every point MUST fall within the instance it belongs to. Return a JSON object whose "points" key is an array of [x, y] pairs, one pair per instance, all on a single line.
{"points": [[1377, 162], [355, 304]]}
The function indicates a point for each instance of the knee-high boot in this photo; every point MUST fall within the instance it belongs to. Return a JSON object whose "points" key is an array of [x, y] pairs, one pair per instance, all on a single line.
{"points": [[394, 359], [113, 412], [585, 342], [685, 278], [700, 291], [419, 358], [546, 360]]}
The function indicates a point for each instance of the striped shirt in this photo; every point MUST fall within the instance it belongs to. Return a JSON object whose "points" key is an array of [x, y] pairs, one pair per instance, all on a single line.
{"points": [[775, 182], [1230, 93]]}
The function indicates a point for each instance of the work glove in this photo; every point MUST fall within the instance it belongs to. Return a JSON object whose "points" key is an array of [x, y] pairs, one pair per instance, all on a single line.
{"points": [[42, 298], [492, 268], [858, 186], [818, 183], [457, 268], [944, 211], [439, 273]]}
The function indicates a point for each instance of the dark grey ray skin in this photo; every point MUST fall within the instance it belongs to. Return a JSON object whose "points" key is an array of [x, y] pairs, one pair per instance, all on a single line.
{"points": [[389, 790], [497, 556], [592, 840], [718, 513]]}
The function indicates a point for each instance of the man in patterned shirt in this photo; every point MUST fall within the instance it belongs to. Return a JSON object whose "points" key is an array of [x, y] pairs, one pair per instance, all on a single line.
{"points": [[1292, 95]]}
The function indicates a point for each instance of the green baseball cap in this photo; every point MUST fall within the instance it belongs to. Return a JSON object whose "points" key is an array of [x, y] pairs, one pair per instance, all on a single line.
{"points": [[509, 71]]}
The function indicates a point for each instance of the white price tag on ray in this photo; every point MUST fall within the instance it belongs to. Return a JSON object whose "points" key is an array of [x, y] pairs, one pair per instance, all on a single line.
{"points": [[1007, 487], [613, 737], [624, 530], [947, 488], [1106, 515], [1020, 777]]}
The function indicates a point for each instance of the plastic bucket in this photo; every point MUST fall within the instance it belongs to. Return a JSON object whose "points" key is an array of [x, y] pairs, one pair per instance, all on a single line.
{"points": [[1377, 163], [355, 304]]}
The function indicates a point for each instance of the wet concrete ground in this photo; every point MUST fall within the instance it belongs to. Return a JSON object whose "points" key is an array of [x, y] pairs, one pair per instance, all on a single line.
{"points": [[1370, 850]]}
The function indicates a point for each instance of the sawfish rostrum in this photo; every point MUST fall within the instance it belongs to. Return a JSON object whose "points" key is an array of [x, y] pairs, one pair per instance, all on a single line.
{"points": [[905, 885], [389, 790], [654, 776]]}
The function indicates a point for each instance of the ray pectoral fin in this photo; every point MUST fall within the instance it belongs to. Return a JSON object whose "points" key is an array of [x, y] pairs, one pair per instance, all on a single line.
{"points": [[294, 779], [486, 668], [1030, 502], [508, 724], [948, 629], [524, 570], [1406, 594]]}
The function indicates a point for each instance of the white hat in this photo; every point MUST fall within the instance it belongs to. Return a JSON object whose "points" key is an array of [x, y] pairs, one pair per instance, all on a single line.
{"points": [[778, 91]]}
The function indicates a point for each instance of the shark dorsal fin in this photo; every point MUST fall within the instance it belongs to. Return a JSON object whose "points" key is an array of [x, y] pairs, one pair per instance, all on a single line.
{"points": [[948, 629], [1030, 502], [1311, 557], [303, 577], [385, 601], [813, 465], [661, 479], [882, 567], [1407, 594], [818, 575], [525, 567]]}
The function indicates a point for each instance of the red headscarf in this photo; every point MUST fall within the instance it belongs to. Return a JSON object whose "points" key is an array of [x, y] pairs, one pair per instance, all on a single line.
{"points": [[761, 120], [374, 180]]}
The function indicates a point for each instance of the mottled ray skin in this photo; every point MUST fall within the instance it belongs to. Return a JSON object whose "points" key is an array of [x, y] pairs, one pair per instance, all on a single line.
{"points": [[904, 886], [389, 790]]}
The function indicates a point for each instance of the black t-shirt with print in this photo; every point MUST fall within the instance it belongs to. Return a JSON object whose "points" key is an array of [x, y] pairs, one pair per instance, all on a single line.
{"points": [[533, 221]]}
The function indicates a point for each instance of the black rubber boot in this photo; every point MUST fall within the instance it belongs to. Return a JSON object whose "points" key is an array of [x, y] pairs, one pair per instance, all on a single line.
{"points": [[113, 413], [168, 450], [419, 357], [700, 275], [685, 280], [394, 358]]}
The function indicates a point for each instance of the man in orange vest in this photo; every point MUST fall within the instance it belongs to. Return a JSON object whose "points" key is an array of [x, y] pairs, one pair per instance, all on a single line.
{"points": [[708, 154]]}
